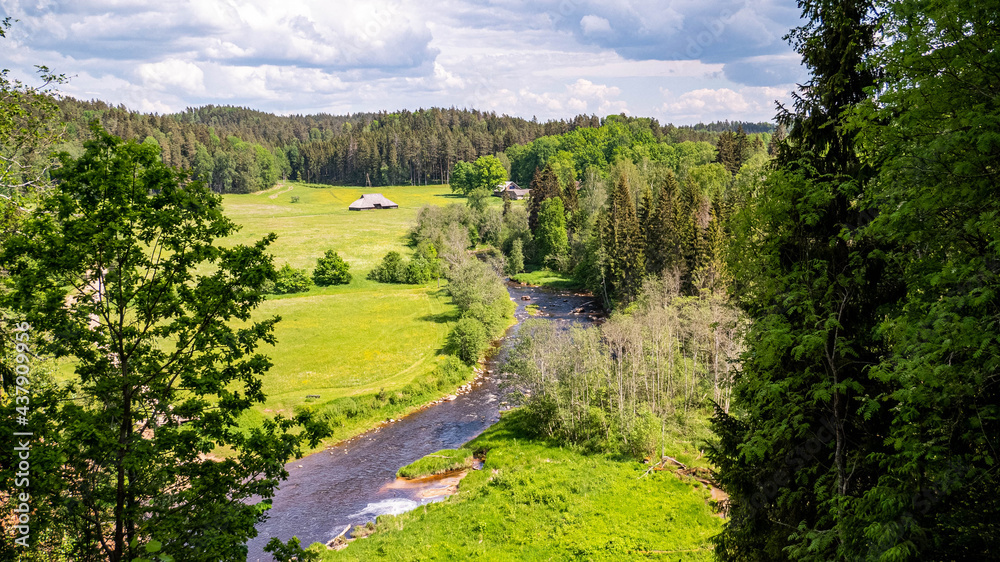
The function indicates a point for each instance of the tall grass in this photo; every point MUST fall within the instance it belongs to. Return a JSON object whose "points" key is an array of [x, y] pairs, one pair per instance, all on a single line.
{"points": [[535, 500]]}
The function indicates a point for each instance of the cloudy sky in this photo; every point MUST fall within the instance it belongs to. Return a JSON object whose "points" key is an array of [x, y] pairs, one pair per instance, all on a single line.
{"points": [[681, 61]]}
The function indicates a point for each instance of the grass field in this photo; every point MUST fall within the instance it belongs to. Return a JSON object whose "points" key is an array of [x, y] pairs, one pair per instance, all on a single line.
{"points": [[545, 277], [537, 501], [346, 340]]}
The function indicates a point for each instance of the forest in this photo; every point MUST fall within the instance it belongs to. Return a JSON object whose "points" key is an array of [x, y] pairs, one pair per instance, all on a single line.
{"points": [[816, 301], [240, 150]]}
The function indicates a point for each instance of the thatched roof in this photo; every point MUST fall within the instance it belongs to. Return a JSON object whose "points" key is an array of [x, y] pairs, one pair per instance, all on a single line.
{"points": [[372, 201]]}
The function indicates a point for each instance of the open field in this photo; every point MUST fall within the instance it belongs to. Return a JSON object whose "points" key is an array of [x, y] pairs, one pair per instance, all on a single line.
{"points": [[537, 501], [320, 221], [347, 340]]}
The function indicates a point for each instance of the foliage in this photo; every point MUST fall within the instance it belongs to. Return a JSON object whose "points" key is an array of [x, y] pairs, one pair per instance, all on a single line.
{"points": [[608, 388], [394, 269], [933, 129], [289, 280], [391, 270], [806, 436], [436, 463], [331, 270], [469, 339], [538, 501], [104, 271], [478, 180], [478, 291], [625, 262], [29, 127], [291, 551], [515, 261], [544, 185], [551, 238]]}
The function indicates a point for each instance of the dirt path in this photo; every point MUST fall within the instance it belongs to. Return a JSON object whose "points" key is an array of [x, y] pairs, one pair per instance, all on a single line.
{"points": [[275, 196]]}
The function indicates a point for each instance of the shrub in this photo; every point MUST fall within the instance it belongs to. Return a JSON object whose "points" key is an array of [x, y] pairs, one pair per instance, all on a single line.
{"points": [[469, 339], [393, 269], [390, 270], [290, 280], [331, 270], [418, 271]]}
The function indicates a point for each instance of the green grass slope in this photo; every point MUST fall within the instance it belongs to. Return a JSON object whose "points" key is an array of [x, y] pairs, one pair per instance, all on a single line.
{"points": [[535, 501], [348, 340]]}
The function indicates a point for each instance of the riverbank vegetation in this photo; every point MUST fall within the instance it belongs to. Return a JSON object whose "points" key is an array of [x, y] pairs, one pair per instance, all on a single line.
{"points": [[356, 353], [536, 500], [618, 386], [437, 462]]}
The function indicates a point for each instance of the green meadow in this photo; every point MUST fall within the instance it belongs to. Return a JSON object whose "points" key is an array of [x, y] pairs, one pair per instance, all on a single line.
{"points": [[535, 500], [350, 340]]}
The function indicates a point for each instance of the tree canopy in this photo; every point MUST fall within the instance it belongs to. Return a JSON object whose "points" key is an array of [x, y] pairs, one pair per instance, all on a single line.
{"points": [[118, 270]]}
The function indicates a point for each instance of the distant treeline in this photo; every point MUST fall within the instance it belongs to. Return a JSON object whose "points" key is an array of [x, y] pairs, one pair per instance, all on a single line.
{"points": [[239, 150]]}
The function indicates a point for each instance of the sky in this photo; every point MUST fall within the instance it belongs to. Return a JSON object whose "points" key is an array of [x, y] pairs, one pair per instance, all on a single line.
{"points": [[680, 61]]}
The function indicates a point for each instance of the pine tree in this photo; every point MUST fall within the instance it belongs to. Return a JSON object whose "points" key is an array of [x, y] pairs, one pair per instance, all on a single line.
{"points": [[725, 147]]}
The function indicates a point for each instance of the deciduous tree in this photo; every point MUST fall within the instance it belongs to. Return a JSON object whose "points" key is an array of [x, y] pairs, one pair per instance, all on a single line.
{"points": [[118, 272]]}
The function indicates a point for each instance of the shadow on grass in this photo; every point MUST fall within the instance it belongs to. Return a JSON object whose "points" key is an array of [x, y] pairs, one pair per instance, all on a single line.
{"points": [[442, 318]]}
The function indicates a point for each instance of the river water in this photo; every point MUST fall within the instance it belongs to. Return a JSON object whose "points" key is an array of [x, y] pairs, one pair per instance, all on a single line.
{"points": [[352, 483]]}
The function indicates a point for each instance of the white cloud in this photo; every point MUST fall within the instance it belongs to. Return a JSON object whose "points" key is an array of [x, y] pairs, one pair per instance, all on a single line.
{"points": [[550, 58], [594, 25], [747, 104], [173, 72], [586, 89]]}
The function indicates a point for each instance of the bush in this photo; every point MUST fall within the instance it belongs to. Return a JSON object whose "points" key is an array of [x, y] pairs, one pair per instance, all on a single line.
{"points": [[391, 270], [331, 270], [418, 271], [469, 339], [289, 280]]}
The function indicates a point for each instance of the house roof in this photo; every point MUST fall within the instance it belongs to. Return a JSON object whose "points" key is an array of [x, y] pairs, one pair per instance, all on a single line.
{"points": [[373, 201]]}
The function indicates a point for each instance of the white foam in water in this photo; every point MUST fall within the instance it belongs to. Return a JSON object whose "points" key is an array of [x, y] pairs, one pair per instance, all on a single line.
{"points": [[393, 506]]}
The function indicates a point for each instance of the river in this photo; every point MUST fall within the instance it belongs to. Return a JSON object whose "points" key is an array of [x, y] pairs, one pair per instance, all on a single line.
{"points": [[351, 484]]}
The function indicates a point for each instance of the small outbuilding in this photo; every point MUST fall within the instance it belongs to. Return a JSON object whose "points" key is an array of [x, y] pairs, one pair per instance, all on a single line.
{"points": [[512, 190], [371, 201]]}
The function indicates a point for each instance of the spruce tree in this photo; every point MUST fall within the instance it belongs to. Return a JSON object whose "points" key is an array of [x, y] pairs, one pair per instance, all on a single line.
{"points": [[663, 249], [625, 263], [544, 185], [804, 437]]}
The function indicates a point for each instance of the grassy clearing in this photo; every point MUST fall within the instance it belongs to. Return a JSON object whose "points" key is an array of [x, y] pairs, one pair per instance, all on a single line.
{"points": [[321, 221], [379, 345], [436, 463], [536, 501], [545, 277]]}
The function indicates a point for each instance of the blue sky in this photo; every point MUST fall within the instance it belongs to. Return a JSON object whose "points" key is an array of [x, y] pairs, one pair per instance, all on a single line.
{"points": [[681, 61]]}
